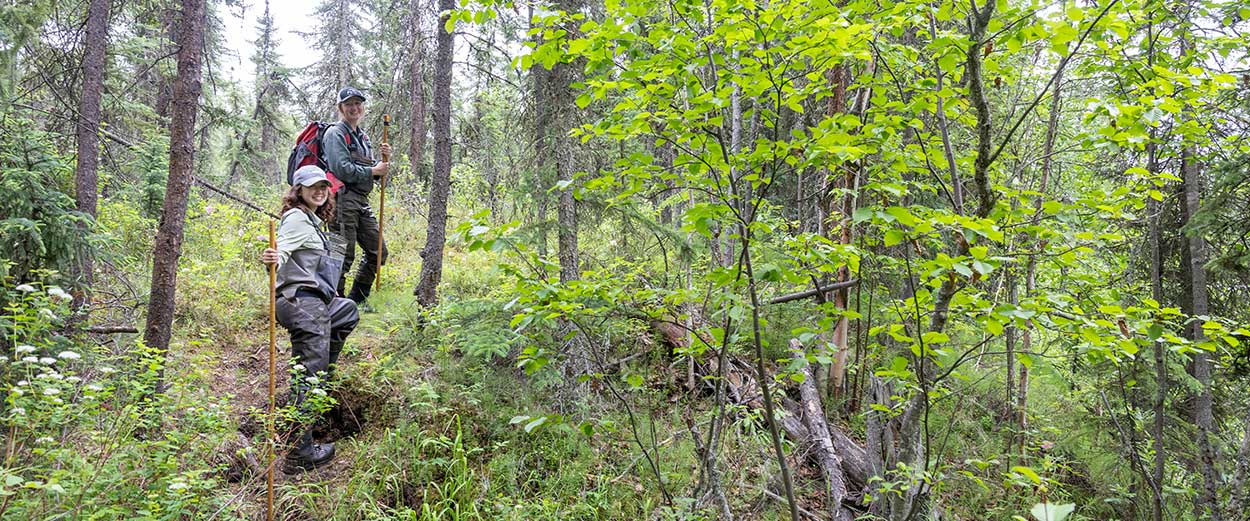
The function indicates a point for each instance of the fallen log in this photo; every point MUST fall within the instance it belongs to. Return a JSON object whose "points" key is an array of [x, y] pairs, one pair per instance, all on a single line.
{"points": [[240, 458], [742, 389], [813, 292], [110, 330], [820, 440]]}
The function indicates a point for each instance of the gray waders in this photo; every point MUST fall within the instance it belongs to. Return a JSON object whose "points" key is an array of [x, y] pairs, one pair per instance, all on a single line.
{"points": [[319, 323]]}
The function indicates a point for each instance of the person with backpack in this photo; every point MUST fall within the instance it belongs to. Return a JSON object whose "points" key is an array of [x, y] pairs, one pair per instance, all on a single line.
{"points": [[349, 156], [308, 265]]}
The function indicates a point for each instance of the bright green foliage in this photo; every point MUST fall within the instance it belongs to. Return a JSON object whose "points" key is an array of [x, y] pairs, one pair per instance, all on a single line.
{"points": [[693, 77], [725, 148]]}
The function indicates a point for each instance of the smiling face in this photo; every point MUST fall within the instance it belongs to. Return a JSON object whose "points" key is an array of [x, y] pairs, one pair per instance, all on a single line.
{"points": [[316, 195], [351, 111]]}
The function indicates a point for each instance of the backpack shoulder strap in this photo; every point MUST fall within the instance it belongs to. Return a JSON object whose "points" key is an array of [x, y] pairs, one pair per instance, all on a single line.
{"points": [[347, 132]]}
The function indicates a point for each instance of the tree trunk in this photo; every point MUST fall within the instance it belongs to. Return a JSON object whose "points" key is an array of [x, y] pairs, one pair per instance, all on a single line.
{"points": [[440, 184], [95, 43], [167, 247], [416, 147], [837, 77], [170, 25], [1009, 339], [1203, 415], [1160, 352]]}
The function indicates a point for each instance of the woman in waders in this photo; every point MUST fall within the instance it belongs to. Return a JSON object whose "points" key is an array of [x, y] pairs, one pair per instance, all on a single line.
{"points": [[307, 305]]}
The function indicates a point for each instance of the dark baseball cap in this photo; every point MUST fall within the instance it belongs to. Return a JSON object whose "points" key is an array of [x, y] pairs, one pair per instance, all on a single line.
{"points": [[349, 93]]}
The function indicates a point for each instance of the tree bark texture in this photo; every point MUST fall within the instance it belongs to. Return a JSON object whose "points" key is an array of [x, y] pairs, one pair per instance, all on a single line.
{"points": [[740, 388], [95, 43], [820, 439], [167, 247], [86, 180], [440, 183], [837, 77], [911, 447], [553, 98]]}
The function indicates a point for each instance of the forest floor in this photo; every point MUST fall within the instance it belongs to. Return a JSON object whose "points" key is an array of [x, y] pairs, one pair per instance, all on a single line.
{"points": [[244, 374]]}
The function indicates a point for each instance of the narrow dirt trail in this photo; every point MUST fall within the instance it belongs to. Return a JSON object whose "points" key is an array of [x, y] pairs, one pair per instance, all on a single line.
{"points": [[243, 374]]}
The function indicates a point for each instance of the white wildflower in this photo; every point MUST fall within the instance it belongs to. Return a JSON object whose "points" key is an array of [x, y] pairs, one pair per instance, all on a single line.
{"points": [[18, 411], [69, 355], [30, 359], [51, 391], [23, 383], [45, 440], [47, 360], [73, 379], [25, 288], [95, 388], [318, 392], [59, 293], [178, 485], [313, 380], [107, 370], [23, 349], [47, 313], [298, 367], [16, 392]]}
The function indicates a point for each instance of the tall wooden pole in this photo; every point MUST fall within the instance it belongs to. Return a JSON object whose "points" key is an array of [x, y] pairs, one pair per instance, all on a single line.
{"points": [[386, 158], [273, 368]]}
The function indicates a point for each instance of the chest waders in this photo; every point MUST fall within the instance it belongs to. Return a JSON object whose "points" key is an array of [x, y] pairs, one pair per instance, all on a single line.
{"points": [[319, 322]]}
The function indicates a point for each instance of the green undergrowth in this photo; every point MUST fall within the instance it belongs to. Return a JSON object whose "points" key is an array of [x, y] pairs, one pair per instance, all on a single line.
{"points": [[88, 434], [452, 450]]}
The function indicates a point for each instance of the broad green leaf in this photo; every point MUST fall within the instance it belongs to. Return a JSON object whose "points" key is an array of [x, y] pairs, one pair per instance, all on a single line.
{"points": [[537, 422], [1028, 473], [1051, 511]]}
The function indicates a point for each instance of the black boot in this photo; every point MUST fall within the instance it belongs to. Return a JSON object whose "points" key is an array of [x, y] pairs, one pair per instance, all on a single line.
{"points": [[307, 455]]}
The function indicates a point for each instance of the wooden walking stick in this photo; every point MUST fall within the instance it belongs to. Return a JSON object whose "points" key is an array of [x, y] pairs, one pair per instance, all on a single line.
{"points": [[273, 368], [386, 158]]}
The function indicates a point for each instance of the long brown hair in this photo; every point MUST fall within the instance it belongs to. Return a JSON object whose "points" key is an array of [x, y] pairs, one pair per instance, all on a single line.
{"points": [[291, 200]]}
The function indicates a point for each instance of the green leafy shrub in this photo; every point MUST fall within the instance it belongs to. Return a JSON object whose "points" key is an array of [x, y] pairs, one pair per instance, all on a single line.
{"points": [[89, 436]]}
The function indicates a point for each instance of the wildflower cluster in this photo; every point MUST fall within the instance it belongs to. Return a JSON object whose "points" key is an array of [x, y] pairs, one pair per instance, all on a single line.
{"points": [[86, 437]]}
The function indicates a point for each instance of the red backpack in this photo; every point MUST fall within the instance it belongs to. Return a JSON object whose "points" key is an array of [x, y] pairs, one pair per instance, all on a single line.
{"points": [[308, 151]]}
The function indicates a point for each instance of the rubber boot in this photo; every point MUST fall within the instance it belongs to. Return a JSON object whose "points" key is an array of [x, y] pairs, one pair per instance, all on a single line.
{"points": [[307, 455]]}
